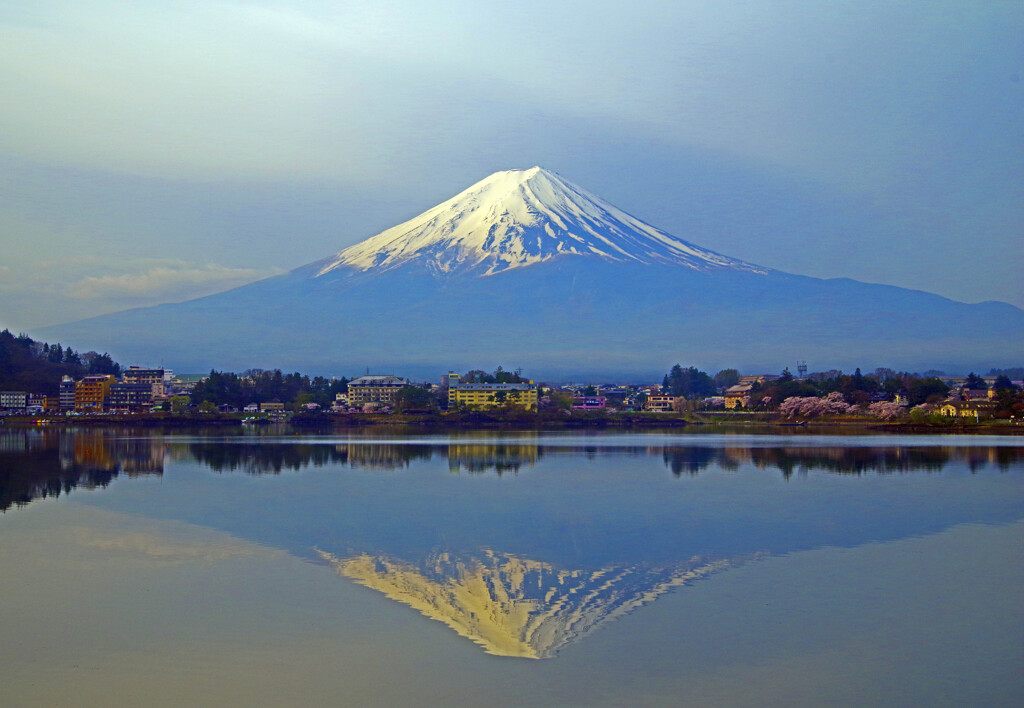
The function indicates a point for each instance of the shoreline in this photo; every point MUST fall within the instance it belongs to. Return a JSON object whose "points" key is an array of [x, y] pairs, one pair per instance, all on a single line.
{"points": [[318, 422]]}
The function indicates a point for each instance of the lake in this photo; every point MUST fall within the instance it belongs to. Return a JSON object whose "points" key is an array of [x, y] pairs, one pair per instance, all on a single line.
{"points": [[510, 569]]}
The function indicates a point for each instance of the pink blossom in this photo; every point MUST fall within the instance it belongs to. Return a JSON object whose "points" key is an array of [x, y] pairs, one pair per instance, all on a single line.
{"points": [[886, 410], [813, 406]]}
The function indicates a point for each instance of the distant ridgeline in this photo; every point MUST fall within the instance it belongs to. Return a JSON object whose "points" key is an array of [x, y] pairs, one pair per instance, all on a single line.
{"points": [[28, 365]]}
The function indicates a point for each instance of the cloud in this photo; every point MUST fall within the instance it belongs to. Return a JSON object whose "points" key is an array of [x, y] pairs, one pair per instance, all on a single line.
{"points": [[88, 538], [848, 91], [60, 290], [168, 544], [171, 281], [888, 132]]}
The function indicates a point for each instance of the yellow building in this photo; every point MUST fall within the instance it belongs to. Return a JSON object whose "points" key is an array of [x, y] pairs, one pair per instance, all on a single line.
{"points": [[734, 395], [660, 403], [491, 395], [92, 391], [965, 409]]}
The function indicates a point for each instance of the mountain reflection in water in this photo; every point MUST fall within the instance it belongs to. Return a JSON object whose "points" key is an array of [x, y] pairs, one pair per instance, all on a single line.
{"points": [[514, 606], [525, 543]]}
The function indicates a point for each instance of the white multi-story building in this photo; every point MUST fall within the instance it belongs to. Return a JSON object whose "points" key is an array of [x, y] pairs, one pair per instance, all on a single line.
{"points": [[13, 400], [67, 393], [374, 389]]}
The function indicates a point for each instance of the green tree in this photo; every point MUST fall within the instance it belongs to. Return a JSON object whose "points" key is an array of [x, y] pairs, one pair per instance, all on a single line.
{"points": [[921, 390], [1003, 383], [975, 382], [1009, 403], [561, 399], [302, 399], [103, 364], [726, 378], [34, 366], [411, 397], [689, 382], [499, 376]]}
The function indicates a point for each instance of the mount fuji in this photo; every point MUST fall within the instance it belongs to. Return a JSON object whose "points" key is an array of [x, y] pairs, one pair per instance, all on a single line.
{"points": [[525, 269], [518, 218]]}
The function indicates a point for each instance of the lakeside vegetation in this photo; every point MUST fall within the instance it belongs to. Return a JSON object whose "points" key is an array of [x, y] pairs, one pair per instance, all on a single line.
{"points": [[442, 421], [260, 385], [904, 399], [28, 365]]}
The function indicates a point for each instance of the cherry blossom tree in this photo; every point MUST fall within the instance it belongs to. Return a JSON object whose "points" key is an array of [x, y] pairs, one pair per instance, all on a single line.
{"points": [[886, 410], [814, 406]]}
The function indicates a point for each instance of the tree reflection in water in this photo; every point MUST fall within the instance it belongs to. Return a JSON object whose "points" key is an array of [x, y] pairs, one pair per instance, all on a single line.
{"points": [[525, 568], [35, 464]]}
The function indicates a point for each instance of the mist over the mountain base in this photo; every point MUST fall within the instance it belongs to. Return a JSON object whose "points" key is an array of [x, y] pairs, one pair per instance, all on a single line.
{"points": [[572, 317]]}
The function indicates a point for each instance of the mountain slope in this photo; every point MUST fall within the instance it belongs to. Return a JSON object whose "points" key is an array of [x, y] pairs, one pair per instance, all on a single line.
{"points": [[491, 277], [512, 606], [518, 218]]}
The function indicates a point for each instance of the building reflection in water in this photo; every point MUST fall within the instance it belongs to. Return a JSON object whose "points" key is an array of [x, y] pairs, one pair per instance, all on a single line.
{"points": [[477, 458], [509, 604], [517, 607], [382, 456], [254, 457], [37, 464]]}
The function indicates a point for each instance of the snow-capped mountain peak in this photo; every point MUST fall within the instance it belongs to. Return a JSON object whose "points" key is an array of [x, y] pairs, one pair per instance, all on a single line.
{"points": [[518, 218]]}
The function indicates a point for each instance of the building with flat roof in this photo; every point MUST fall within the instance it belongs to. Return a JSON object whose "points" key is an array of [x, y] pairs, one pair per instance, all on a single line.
{"points": [[67, 393], [154, 378], [490, 395], [380, 390], [135, 374], [42, 401], [13, 400], [589, 403], [130, 397], [660, 403], [92, 391]]}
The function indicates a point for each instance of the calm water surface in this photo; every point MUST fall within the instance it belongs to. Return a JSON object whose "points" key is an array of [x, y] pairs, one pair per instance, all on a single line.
{"points": [[510, 569]]}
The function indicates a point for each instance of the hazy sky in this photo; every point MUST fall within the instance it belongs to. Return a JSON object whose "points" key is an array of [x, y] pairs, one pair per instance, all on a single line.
{"points": [[156, 151]]}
